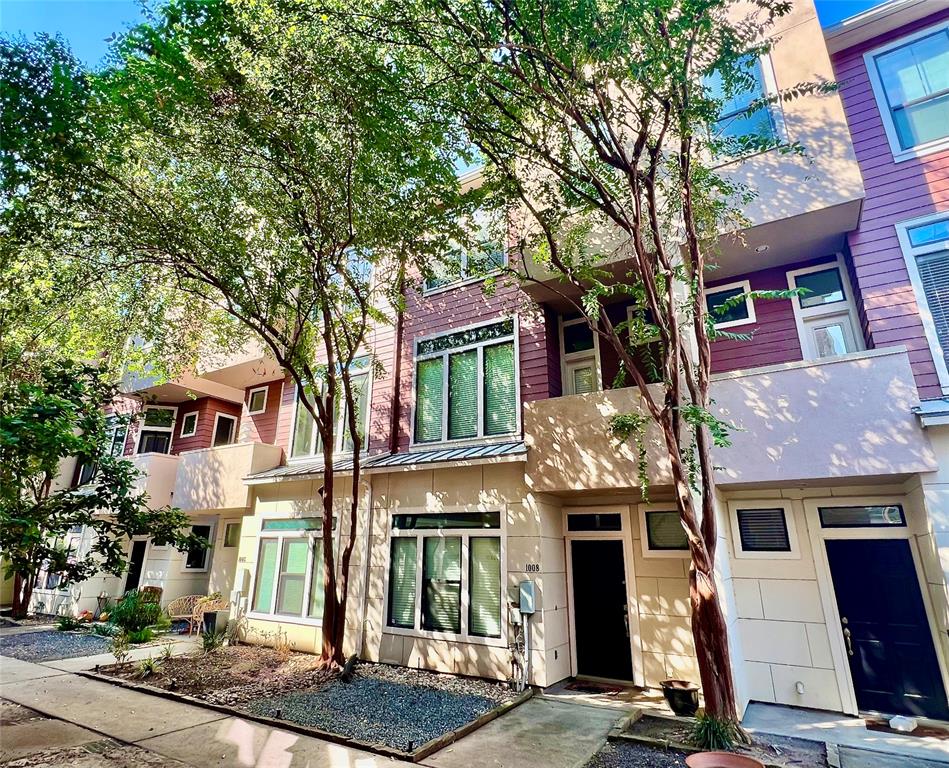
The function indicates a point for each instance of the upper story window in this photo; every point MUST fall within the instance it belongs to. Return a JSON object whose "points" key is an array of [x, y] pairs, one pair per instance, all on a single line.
{"points": [[738, 312], [257, 401], [754, 81], [466, 384], [825, 313], [925, 244], [225, 430], [158, 423], [306, 437], [485, 256], [116, 433], [910, 80], [581, 359], [189, 425]]}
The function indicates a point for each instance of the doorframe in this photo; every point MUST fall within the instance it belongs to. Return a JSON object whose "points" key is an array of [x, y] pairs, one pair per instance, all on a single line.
{"points": [[825, 585], [632, 606]]}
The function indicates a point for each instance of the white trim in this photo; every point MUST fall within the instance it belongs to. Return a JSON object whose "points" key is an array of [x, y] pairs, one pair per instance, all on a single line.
{"points": [[879, 93], [745, 286], [581, 359], [465, 534], [818, 535], [632, 599], [194, 428], [647, 551], [170, 430], [209, 552], [910, 254], [217, 417], [786, 507], [805, 318], [250, 398]]}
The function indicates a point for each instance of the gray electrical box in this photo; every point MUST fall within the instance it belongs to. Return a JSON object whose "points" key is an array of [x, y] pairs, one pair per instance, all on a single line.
{"points": [[527, 597]]}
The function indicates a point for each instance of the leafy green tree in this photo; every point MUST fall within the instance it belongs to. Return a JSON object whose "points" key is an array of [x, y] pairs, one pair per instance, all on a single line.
{"points": [[50, 411]]}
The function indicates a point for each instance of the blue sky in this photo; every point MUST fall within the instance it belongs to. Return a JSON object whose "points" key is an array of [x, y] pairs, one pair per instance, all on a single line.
{"points": [[87, 23]]}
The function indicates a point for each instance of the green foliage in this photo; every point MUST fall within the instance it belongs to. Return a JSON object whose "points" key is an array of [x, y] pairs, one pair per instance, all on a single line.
{"points": [[105, 630], [713, 733], [119, 647], [148, 667], [132, 614], [69, 623], [137, 636], [625, 427], [167, 651], [213, 641]]}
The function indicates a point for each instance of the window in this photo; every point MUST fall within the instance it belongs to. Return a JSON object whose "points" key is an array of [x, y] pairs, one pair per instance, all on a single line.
{"points": [[755, 81], [257, 401], [197, 559], [580, 356], [610, 521], [466, 384], [157, 425], [189, 424], [225, 430], [763, 529], [116, 430], [910, 80], [306, 437], [485, 256], [825, 313], [925, 245], [289, 575], [861, 517], [740, 313], [438, 564], [232, 534], [662, 533]]}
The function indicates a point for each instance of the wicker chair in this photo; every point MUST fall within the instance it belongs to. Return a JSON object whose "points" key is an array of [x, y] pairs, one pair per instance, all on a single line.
{"points": [[206, 605], [151, 594], [182, 609]]}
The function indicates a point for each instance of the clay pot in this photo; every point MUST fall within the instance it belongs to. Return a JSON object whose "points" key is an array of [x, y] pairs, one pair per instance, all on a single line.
{"points": [[682, 696], [721, 760]]}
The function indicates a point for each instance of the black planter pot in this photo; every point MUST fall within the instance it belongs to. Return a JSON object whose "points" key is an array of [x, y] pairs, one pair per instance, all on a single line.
{"points": [[682, 696]]}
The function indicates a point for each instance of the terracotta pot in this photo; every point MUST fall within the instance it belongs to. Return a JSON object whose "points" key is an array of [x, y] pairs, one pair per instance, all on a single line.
{"points": [[682, 696], [721, 760]]}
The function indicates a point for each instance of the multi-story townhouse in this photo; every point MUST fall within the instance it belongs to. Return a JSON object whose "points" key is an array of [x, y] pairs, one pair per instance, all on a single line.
{"points": [[488, 463]]}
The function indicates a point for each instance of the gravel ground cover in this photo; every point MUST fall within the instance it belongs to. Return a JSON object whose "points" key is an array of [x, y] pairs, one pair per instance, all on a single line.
{"points": [[627, 755], [49, 645], [400, 708]]}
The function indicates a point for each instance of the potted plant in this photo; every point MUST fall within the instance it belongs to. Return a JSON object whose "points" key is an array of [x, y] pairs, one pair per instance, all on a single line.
{"points": [[721, 760], [682, 696]]}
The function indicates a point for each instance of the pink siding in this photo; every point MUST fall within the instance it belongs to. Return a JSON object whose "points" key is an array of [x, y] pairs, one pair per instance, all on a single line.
{"points": [[207, 409], [895, 192], [285, 416], [262, 427]]}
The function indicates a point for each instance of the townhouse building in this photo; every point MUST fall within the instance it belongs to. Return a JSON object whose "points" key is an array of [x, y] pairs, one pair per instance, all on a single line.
{"points": [[488, 462]]}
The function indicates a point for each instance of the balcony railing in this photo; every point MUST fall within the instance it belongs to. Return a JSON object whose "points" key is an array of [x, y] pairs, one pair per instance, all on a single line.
{"points": [[157, 478], [844, 417], [213, 478]]}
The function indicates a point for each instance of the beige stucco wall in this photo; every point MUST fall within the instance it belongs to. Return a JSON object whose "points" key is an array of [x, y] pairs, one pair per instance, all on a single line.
{"points": [[213, 478]]}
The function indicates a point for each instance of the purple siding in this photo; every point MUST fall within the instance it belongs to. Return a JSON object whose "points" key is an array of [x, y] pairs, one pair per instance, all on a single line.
{"points": [[895, 192]]}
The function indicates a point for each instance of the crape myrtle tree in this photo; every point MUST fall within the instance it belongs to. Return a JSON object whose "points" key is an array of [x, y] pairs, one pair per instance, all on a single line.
{"points": [[51, 410], [259, 164], [600, 121]]}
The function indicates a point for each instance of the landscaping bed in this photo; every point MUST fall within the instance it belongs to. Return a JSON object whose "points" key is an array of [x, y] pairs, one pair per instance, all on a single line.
{"points": [[50, 645], [392, 710], [629, 755]]}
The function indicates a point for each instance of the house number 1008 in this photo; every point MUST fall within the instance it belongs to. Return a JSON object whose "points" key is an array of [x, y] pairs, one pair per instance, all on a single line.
{"points": [[533, 568]]}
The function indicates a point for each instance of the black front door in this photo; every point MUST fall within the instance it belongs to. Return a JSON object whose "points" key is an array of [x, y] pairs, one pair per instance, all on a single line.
{"points": [[599, 609], [136, 562], [886, 632]]}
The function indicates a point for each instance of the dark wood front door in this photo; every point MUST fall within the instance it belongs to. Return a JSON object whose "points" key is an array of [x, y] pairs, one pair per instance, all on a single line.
{"points": [[886, 632], [136, 563], [599, 609]]}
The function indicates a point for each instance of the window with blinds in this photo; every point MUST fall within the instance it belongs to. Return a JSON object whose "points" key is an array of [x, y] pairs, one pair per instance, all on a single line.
{"points": [[763, 530], [934, 277], [466, 384], [306, 437], [402, 582], [441, 584], [484, 618], [288, 580]]}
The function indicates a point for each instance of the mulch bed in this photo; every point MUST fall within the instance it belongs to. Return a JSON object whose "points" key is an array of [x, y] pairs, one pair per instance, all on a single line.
{"points": [[50, 645], [628, 755]]}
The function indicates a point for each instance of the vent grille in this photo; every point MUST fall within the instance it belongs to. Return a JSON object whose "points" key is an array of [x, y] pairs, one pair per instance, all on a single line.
{"points": [[763, 530]]}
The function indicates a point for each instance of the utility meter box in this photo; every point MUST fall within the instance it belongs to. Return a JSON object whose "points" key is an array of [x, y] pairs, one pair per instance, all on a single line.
{"points": [[527, 597]]}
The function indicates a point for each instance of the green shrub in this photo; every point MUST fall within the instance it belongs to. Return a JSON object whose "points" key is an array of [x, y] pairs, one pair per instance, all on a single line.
{"points": [[119, 647], [212, 641], [712, 733], [143, 635], [68, 623], [104, 630], [132, 614], [147, 667]]}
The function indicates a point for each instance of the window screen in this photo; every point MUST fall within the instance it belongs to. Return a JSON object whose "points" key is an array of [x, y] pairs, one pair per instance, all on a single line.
{"points": [[463, 394], [441, 584], [258, 400], [484, 585], [402, 582], [266, 573], [763, 530], [428, 400], [500, 395], [664, 531], [293, 561]]}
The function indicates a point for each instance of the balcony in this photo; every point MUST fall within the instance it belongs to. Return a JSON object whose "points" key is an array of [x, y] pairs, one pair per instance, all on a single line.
{"points": [[213, 478], [841, 418], [157, 479]]}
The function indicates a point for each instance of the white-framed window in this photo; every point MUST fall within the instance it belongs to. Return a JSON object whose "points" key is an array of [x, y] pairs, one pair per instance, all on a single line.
{"points": [[763, 529], [661, 531], [756, 82], [446, 575], [197, 559], [257, 400], [232, 534], [742, 313], [225, 430], [156, 433], [486, 256], [189, 424], [288, 577], [925, 245], [825, 314], [116, 433], [306, 440], [580, 357], [910, 80], [467, 384]]}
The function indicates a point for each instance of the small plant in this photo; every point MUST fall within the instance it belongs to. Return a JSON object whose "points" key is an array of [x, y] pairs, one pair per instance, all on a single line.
{"points": [[119, 647], [167, 651], [143, 635], [147, 667], [104, 630], [68, 623], [212, 641], [133, 614], [713, 733]]}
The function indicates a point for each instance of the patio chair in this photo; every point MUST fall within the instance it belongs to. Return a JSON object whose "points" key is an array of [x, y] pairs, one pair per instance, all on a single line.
{"points": [[182, 609], [207, 605], [151, 594]]}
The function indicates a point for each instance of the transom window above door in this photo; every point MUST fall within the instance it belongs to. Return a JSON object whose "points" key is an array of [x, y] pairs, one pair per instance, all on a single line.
{"points": [[824, 311], [466, 384]]}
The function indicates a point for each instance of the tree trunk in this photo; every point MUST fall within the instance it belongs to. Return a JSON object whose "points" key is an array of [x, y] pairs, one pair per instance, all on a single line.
{"points": [[711, 646], [22, 592]]}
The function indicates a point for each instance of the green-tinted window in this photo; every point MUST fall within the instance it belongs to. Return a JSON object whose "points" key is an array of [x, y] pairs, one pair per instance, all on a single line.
{"points": [[290, 582], [715, 300], [463, 394], [159, 417], [316, 582], [304, 427], [441, 584], [484, 585], [402, 582], [293, 524], [664, 531], [360, 386], [500, 393], [428, 402], [266, 574]]}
